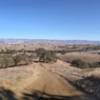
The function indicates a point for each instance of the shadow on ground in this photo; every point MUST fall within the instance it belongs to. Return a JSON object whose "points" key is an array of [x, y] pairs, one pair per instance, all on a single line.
{"points": [[90, 85], [6, 94], [36, 95]]}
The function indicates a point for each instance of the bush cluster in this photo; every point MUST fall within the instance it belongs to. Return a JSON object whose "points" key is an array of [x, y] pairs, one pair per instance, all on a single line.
{"points": [[84, 64], [46, 56], [8, 60], [22, 59]]}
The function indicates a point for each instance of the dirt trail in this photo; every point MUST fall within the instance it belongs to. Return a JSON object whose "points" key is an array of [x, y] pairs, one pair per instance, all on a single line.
{"points": [[65, 70], [37, 77], [49, 78], [49, 83]]}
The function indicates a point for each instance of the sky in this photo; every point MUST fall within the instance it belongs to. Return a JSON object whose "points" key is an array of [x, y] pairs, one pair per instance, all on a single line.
{"points": [[50, 19]]}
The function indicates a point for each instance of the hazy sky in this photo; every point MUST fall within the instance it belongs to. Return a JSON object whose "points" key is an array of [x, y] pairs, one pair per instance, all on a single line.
{"points": [[50, 19]]}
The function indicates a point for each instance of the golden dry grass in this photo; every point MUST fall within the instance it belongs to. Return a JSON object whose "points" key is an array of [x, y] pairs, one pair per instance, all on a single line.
{"points": [[38, 76], [90, 57]]}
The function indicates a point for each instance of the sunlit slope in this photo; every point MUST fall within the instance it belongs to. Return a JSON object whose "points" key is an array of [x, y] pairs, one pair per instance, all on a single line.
{"points": [[50, 83], [36, 77]]}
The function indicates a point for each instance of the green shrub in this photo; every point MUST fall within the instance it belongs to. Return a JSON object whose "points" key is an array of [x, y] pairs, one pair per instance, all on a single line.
{"points": [[84, 64], [6, 61], [22, 59], [9, 60], [46, 56], [94, 64], [78, 63]]}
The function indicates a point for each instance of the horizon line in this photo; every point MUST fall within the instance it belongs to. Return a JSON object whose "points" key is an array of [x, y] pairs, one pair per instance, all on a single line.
{"points": [[47, 39]]}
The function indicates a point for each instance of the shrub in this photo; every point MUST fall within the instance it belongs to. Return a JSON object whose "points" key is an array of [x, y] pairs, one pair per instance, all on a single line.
{"points": [[22, 59], [84, 64], [40, 51], [94, 64], [78, 63], [6, 61], [46, 56], [63, 52], [9, 60]]}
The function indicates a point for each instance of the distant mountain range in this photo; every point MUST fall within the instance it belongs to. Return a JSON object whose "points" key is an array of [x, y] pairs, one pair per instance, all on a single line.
{"points": [[41, 41]]}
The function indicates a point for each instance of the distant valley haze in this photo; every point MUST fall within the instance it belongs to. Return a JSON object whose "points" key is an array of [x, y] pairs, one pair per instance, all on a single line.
{"points": [[47, 41]]}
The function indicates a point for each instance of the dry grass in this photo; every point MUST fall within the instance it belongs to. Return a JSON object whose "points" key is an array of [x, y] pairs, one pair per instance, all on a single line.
{"points": [[95, 72], [81, 55], [38, 76]]}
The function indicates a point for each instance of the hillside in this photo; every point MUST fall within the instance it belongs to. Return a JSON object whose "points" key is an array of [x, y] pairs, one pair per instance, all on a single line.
{"points": [[50, 80], [35, 77]]}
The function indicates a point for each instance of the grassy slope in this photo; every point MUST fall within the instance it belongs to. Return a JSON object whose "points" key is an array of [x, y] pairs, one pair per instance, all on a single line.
{"points": [[38, 77]]}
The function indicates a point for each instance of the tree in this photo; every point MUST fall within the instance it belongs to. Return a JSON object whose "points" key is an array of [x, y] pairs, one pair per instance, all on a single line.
{"points": [[46, 55], [22, 59], [6, 60]]}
